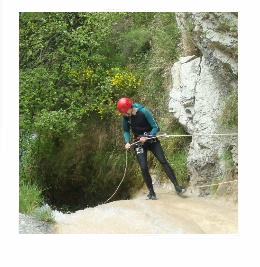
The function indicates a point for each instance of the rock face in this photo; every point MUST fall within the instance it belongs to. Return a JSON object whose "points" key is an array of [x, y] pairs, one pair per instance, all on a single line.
{"points": [[31, 225], [203, 78]]}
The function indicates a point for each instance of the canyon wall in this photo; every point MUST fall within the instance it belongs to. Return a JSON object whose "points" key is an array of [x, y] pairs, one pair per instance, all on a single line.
{"points": [[203, 81]]}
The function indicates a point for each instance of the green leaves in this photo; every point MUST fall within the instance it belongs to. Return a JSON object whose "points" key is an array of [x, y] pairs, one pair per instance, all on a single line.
{"points": [[63, 65], [54, 123], [74, 66]]}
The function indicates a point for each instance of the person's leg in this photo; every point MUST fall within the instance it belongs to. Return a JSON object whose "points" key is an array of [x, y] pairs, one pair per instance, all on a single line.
{"points": [[141, 155], [157, 150]]}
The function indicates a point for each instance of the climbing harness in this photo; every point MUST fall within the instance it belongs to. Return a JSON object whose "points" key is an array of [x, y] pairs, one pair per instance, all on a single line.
{"points": [[162, 134], [139, 149]]}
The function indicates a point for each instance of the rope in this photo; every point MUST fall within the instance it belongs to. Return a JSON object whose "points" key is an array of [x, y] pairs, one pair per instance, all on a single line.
{"points": [[160, 134], [216, 184], [196, 134], [216, 134], [122, 178]]}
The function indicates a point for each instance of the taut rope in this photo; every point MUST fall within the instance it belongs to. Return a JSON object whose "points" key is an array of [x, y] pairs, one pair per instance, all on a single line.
{"points": [[160, 134]]}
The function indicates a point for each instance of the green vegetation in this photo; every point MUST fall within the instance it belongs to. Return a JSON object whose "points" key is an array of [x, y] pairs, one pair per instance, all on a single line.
{"points": [[228, 159], [176, 150], [29, 198], [214, 186], [229, 174], [44, 213], [73, 69], [229, 115]]}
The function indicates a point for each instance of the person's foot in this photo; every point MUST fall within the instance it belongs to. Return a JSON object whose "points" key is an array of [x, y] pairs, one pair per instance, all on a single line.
{"points": [[151, 196], [180, 190]]}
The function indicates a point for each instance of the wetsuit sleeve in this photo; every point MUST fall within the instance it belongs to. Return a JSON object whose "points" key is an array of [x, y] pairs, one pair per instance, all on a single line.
{"points": [[126, 129], [151, 121]]}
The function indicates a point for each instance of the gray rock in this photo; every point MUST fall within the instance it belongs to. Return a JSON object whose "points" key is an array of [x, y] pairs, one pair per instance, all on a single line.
{"points": [[200, 83], [30, 225]]}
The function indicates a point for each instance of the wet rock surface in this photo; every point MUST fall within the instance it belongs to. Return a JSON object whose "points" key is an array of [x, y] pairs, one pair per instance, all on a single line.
{"points": [[169, 214], [30, 225]]}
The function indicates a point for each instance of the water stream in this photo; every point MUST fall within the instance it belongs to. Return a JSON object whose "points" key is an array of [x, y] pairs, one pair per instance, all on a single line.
{"points": [[170, 214]]}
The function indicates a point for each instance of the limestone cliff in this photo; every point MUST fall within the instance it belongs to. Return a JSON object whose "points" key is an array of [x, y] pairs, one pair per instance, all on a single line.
{"points": [[203, 80]]}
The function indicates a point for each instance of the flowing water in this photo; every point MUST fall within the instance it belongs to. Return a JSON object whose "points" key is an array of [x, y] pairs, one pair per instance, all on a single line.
{"points": [[170, 214]]}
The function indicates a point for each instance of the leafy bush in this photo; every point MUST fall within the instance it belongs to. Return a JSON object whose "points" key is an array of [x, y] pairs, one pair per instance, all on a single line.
{"points": [[74, 66], [135, 44]]}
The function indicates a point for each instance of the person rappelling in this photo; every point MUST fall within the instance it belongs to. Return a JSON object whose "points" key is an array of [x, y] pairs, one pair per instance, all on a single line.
{"points": [[143, 126]]}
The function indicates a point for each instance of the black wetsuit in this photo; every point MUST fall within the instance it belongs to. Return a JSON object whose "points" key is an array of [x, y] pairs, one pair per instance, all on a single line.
{"points": [[141, 123]]}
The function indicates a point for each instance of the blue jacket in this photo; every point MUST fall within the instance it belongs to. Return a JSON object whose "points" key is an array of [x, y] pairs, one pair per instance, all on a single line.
{"points": [[142, 122]]}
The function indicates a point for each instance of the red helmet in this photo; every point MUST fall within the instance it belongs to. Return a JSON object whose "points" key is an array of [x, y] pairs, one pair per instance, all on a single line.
{"points": [[124, 104]]}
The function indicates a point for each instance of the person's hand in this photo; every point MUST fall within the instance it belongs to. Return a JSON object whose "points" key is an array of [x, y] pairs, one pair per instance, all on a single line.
{"points": [[143, 139], [127, 146]]}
